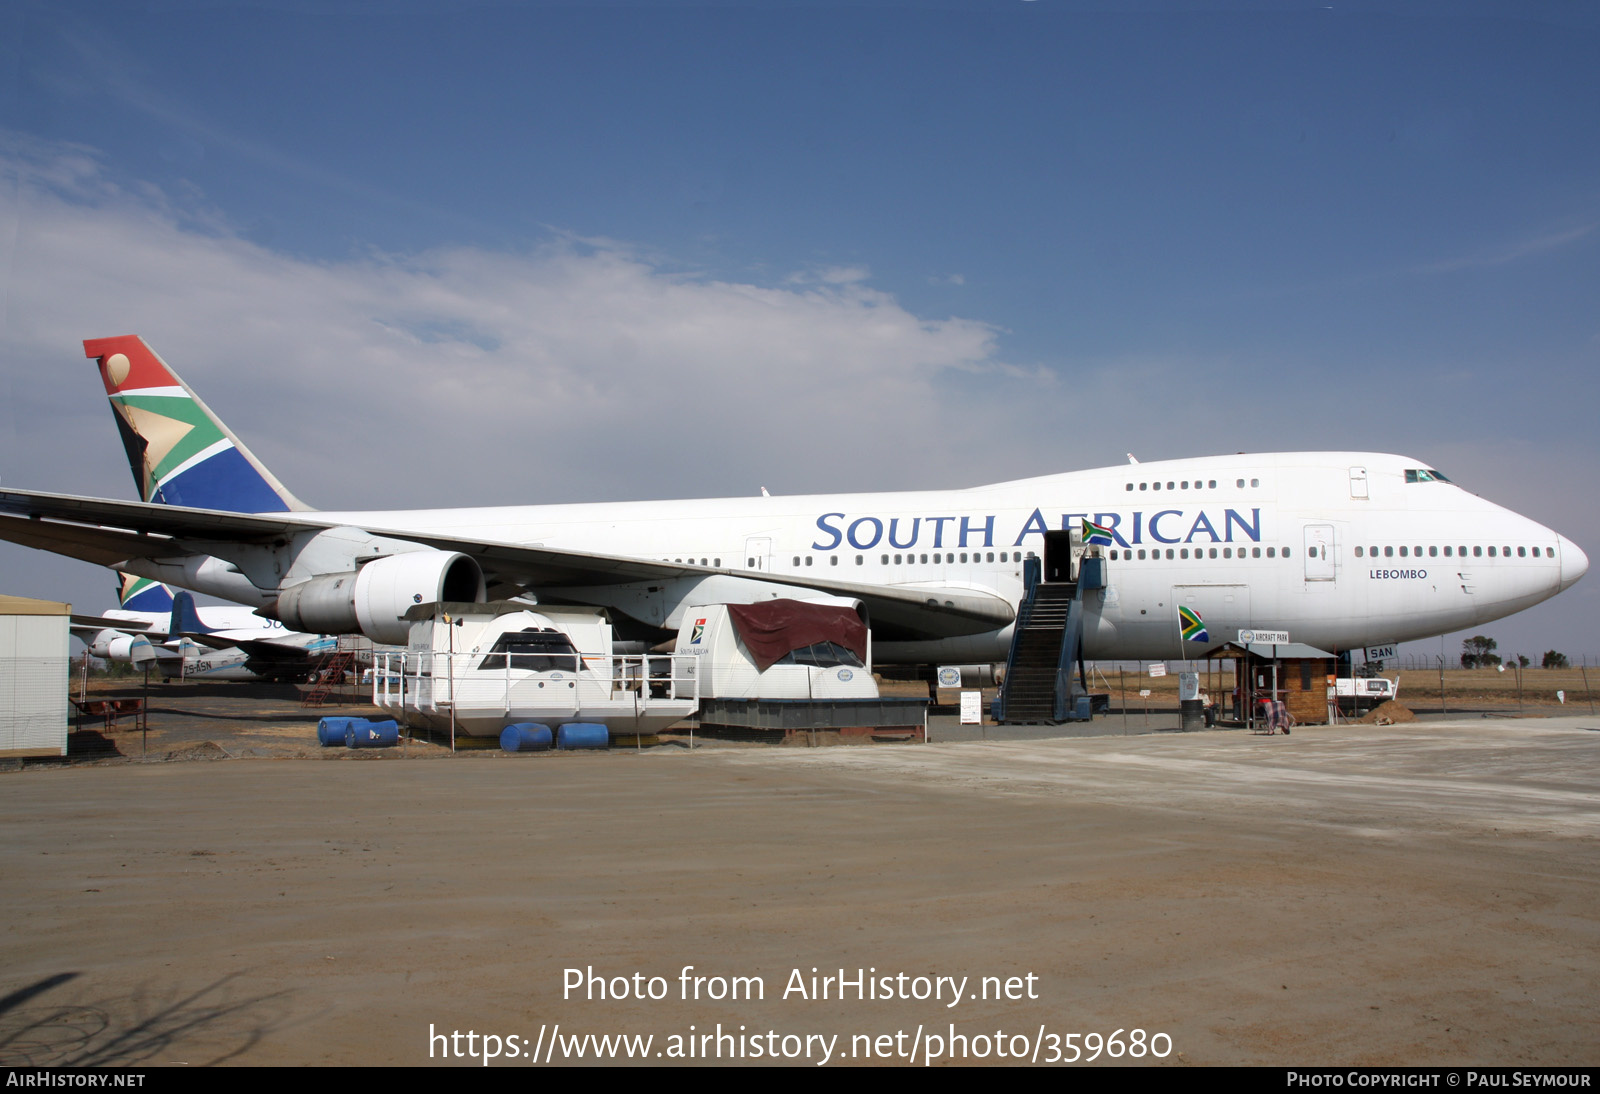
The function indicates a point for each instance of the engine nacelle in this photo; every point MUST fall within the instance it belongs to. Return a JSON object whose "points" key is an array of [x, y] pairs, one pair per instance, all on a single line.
{"points": [[119, 646], [112, 646], [374, 599]]}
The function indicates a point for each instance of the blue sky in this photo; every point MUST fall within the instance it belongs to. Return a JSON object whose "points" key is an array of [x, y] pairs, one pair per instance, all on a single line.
{"points": [[700, 249]]}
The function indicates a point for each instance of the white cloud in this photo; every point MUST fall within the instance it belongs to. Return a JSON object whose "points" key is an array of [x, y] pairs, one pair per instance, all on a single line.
{"points": [[582, 368]]}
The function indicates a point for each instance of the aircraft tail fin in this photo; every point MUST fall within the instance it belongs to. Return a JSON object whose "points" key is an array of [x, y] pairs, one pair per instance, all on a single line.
{"points": [[179, 451], [185, 617], [140, 594]]}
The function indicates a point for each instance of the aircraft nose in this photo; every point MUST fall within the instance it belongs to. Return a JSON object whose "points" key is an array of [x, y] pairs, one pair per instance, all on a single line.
{"points": [[1574, 563]]}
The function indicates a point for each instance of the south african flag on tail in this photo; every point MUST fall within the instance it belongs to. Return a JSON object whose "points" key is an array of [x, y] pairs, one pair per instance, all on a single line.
{"points": [[1194, 628], [1096, 534]]}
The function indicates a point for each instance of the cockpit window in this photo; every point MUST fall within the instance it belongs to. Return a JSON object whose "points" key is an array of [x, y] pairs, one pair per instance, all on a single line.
{"points": [[1420, 474], [533, 649]]}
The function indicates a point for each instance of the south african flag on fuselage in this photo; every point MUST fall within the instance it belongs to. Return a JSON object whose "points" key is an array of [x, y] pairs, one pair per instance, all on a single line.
{"points": [[1097, 534], [1194, 628]]}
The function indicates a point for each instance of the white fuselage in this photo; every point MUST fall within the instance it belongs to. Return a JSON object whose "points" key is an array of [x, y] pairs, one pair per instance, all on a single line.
{"points": [[1231, 537]]}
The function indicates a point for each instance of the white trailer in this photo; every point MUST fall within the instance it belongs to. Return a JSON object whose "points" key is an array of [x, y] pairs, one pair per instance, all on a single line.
{"points": [[481, 667], [1364, 692]]}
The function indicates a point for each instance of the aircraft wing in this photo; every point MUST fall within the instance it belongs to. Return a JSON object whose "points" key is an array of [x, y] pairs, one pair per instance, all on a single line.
{"points": [[211, 641], [94, 624], [912, 611], [265, 651], [105, 532], [150, 646], [108, 532], [86, 628]]}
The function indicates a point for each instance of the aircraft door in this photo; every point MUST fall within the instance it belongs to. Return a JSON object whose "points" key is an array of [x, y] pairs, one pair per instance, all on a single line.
{"points": [[1058, 560], [1319, 552], [758, 554], [1358, 483]]}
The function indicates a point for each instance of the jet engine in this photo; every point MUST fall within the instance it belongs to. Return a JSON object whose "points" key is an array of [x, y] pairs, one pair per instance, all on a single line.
{"points": [[374, 599]]}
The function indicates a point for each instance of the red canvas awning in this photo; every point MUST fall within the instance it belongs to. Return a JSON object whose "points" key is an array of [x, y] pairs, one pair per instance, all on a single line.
{"points": [[774, 628]]}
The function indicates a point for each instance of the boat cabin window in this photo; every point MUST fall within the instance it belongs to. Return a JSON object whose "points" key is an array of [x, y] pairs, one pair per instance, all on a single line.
{"points": [[822, 655], [533, 649]]}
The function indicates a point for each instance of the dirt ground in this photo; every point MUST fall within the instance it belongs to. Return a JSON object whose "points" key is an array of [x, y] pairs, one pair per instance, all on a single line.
{"points": [[1419, 894]]}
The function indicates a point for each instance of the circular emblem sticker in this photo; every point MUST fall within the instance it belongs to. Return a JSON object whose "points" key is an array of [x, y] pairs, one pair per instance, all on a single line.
{"points": [[845, 674], [1247, 637]]}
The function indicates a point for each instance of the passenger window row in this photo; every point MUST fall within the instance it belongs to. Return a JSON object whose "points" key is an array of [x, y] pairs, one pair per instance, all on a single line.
{"points": [[940, 558], [953, 557], [1185, 484], [1455, 552], [949, 558], [1203, 552]]}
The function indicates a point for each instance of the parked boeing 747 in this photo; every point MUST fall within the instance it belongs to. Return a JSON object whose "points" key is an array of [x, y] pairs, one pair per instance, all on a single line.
{"points": [[1341, 549]]}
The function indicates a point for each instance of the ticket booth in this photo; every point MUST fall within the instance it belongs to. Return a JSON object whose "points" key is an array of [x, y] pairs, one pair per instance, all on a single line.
{"points": [[1294, 673]]}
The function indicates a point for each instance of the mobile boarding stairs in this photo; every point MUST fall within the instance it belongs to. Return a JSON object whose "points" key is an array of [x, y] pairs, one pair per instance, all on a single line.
{"points": [[1044, 682]]}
